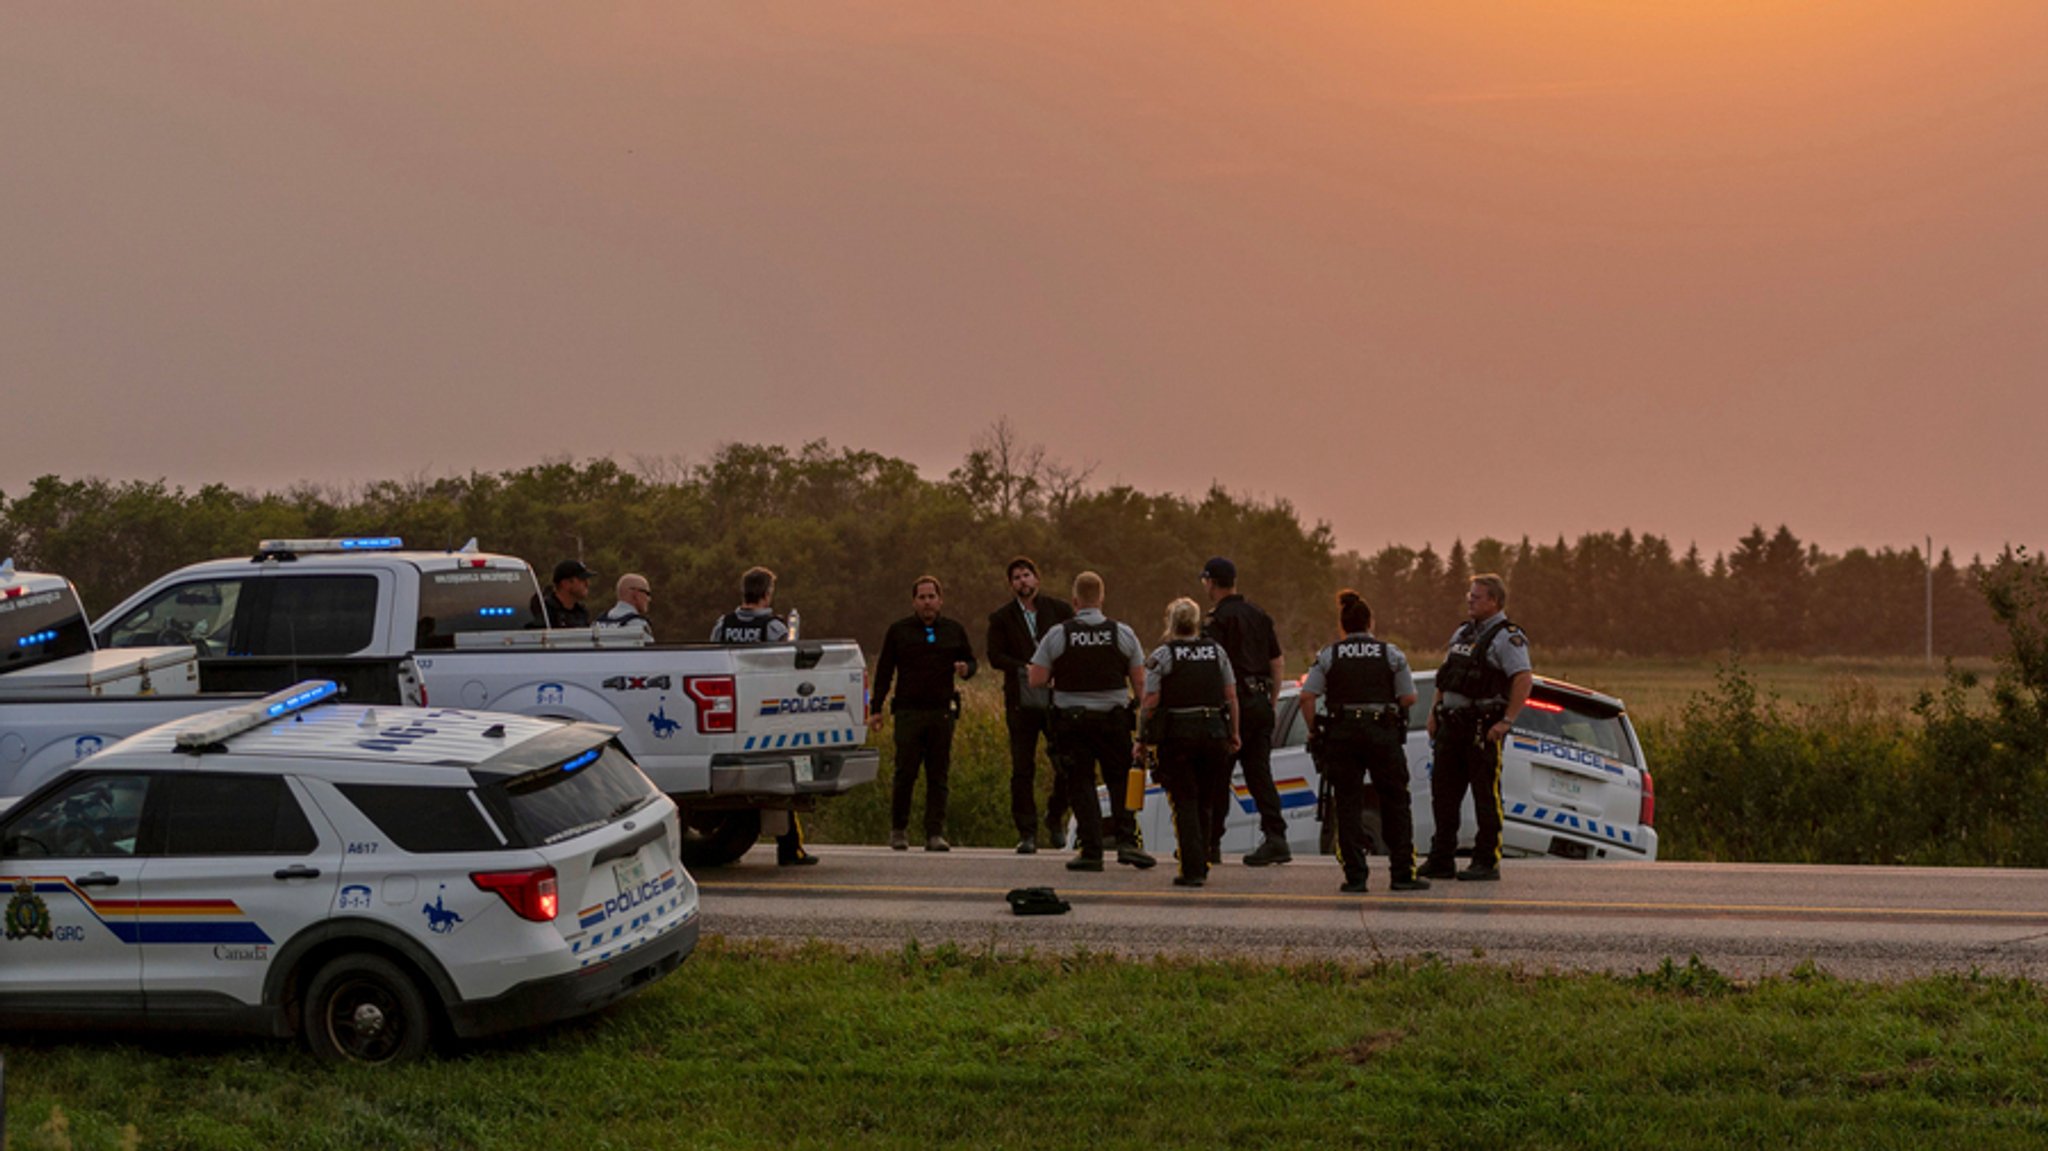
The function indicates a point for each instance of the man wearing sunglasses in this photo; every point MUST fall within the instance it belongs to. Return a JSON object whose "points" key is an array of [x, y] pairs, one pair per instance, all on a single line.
{"points": [[922, 654]]}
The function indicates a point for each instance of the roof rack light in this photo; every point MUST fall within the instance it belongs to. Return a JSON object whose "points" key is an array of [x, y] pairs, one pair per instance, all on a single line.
{"points": [[335, 544], [223, 725]]}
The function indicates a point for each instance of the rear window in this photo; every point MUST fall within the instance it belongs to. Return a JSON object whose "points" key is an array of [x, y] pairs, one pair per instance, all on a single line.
{"points": [[471, 600], [40, 627], [319, 615], [1582, 722], [558, 801]]}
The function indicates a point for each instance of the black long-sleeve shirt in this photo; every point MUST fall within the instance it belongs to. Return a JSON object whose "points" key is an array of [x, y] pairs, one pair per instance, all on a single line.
{"points": [[918, 658]]}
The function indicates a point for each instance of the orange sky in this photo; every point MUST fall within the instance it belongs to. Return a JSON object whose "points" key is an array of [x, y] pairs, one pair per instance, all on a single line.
{"points": [[1682, 267]]}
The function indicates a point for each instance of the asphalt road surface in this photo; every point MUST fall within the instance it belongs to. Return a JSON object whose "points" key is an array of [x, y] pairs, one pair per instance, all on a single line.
{"points": [[1746, 920]]}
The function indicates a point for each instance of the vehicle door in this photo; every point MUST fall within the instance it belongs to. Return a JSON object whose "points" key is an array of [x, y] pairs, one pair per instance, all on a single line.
{"points": [[242, 863], [1422, 763], [70, 872], [207, 612]]}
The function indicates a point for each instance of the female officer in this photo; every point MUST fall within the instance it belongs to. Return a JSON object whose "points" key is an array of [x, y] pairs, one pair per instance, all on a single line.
{"points": [[1190, 715], [1366, 690]]}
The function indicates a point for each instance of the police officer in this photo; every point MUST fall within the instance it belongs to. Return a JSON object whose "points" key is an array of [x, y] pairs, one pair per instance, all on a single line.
{"points": [[562, 604], [1014, 631], [755, 621], [1094, 665], [635, 596], [1189, 714], [1480, 689], [1366, 689], [1248, 638], [927, 650]]}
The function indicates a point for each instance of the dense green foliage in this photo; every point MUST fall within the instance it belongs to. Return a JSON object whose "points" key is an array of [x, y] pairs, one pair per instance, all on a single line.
{"points": [[848, 530], [753, 1047], [1743, 777]]}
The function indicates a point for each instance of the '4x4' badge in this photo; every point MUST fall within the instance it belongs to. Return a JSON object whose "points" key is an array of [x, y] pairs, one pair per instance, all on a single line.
{"points": [[28, 917]]}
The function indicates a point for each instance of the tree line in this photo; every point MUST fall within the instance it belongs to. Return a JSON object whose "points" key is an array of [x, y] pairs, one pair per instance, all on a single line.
{"points": [[847, 531]]}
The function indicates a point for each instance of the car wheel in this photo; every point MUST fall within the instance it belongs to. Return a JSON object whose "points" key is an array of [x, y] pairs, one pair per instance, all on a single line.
{"points": [[366, 1009], [716, 838]]}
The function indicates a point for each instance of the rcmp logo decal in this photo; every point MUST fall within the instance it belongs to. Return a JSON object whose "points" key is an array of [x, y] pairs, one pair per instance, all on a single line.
{"points": [[28, 917]]}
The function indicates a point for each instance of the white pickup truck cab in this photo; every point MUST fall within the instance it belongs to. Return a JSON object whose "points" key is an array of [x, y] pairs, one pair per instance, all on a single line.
{"points": [[728, 733], [1574, 783], [46, 647]]}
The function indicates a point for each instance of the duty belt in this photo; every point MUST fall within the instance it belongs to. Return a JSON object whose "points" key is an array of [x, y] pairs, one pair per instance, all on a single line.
{"points": [[1255, 684], [1197, 712], [1467, 712], [1372, 711]]}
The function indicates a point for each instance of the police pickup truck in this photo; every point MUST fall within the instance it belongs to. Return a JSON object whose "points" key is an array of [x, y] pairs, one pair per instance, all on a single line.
{"points": [[728, 733], [1574, 783], [46, 647]]}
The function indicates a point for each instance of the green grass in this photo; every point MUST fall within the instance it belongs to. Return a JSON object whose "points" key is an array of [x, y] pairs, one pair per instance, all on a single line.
{"points": [[1657, 690], [815, 1047]]}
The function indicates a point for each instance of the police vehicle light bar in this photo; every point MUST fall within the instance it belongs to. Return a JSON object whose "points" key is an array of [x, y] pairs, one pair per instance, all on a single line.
{"points": [[582, 761], [339, 544], [230, 722]]}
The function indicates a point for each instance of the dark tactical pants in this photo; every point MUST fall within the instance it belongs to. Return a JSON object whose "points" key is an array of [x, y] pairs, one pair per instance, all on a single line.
{"points": [[1026, 726], [1087, 742], [924, 739], [1354, 763], [1463, 762], [1255, 728], [1196, 775]]}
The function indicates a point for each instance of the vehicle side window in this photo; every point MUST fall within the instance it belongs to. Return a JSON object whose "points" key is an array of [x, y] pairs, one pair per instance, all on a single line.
{"points": [[233, 815], [1290, 726], [200, 613], [318, 615], [94, 815], [424, 820], [1425, 698]]}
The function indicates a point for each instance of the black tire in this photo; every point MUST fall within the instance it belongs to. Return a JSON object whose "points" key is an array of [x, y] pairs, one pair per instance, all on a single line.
{"points": [[716, 838], [367, 1010]]}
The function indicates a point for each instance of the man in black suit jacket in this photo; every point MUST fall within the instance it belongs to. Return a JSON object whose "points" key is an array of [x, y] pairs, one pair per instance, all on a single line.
{"points": [[1014, 630]]}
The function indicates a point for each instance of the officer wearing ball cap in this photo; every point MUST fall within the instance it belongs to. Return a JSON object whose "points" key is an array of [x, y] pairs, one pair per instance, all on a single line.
{"points": [[562, 604], [1249, 639]]}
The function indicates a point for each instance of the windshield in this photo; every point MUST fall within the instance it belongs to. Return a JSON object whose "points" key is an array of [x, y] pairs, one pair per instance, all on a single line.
{"points": [[40, 627], [1582, 722], [470, 600]]}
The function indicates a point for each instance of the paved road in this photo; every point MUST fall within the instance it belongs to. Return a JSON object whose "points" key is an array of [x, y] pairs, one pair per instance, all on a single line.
{"points": [[1746, 920]]}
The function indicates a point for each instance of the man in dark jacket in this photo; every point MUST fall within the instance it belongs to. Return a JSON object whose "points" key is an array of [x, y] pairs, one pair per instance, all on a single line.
{"points": [[562, 604], [1014, 630], [925, 651]]}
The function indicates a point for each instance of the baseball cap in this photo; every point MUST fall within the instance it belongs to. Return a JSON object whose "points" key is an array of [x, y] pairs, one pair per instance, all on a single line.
{"points": [[1220, 570], [572, 569]]}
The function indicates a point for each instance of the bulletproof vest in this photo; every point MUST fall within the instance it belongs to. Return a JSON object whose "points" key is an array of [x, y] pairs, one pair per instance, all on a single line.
{"points": [[1196, 679], [1467, 671], [735, 628], [1361, 672], [1092, 661]]}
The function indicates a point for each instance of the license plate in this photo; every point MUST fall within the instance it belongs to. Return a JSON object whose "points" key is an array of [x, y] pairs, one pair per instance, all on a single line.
{"points": [[806, 769], [1565, 785], [631, 873]]}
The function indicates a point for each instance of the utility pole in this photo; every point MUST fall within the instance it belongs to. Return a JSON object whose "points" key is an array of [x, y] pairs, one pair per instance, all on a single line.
{"points": [[1930, 601]]}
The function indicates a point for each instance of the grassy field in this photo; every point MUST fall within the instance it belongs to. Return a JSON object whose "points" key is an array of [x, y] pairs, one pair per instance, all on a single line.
{"points": [[820, 1048], [1657, 690]]}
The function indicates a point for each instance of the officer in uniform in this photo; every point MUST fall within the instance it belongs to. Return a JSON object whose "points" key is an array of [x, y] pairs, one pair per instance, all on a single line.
{"points": [[1248, 638], [1366, 689], [635, 596], [1014, 631], [755, 621], [1189, 714], [1480, 689], [1094, 666]]}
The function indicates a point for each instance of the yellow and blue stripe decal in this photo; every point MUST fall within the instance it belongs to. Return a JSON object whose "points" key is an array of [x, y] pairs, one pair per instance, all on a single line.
{"points": [[1571, 821], [597, 913], [1293, 793], [160, 920], [835, 737]]}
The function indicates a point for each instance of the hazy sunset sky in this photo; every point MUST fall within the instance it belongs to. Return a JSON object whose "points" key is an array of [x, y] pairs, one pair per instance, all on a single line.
{"points": [[1427, 270]]}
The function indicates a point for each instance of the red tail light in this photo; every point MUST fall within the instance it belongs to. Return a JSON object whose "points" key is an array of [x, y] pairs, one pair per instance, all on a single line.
{"points": [[718, 705], [530, 894], [1649, 800]]}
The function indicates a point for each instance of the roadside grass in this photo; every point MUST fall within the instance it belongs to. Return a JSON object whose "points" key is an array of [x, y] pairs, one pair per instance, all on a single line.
{"points": [[762, 1046]]}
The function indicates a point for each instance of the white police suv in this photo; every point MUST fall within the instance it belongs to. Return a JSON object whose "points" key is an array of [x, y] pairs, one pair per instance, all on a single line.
{"points": [[366, 878]]}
